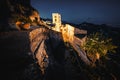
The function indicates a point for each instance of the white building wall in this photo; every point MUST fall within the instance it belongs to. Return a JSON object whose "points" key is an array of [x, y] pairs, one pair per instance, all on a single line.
{"points": [[56, 17], [70, 32]]}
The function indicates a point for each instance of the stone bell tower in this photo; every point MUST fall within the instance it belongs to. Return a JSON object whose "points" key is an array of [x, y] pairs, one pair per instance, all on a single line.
{"points": [[56, 17]]}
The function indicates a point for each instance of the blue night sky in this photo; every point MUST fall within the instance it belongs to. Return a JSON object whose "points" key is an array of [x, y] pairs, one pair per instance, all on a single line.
{"points": [[78, 11]]}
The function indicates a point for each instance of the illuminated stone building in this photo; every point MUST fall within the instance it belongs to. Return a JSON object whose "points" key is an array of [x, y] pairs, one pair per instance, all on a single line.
{"points": [[56, 17]]}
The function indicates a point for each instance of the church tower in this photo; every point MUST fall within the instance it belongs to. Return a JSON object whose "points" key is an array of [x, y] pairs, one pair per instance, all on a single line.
{"points": [[56, 17]]}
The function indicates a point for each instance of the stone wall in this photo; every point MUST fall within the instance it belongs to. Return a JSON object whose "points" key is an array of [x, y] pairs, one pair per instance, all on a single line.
{"points": [[67, 32]]}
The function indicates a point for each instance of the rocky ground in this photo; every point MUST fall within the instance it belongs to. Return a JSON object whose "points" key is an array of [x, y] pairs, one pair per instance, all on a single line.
{"points": [[33, 55], [41, 54]]}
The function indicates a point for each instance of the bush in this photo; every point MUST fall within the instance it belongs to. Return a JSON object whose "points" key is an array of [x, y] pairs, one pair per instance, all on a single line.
{"points": [[97, 45]]}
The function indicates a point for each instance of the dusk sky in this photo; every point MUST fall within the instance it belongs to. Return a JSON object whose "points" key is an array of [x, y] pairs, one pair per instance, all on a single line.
{"points": [[78, 11]]}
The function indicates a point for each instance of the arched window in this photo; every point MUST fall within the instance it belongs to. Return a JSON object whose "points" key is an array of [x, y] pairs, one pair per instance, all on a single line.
{"points": [[55, 20]]}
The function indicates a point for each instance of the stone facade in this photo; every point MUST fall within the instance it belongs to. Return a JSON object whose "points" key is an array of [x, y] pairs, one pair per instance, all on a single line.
{"points": [[56, 17], [67, 32]]}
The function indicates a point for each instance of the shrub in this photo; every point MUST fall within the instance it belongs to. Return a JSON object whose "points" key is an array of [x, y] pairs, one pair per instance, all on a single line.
{"points": [[97, 45]]}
